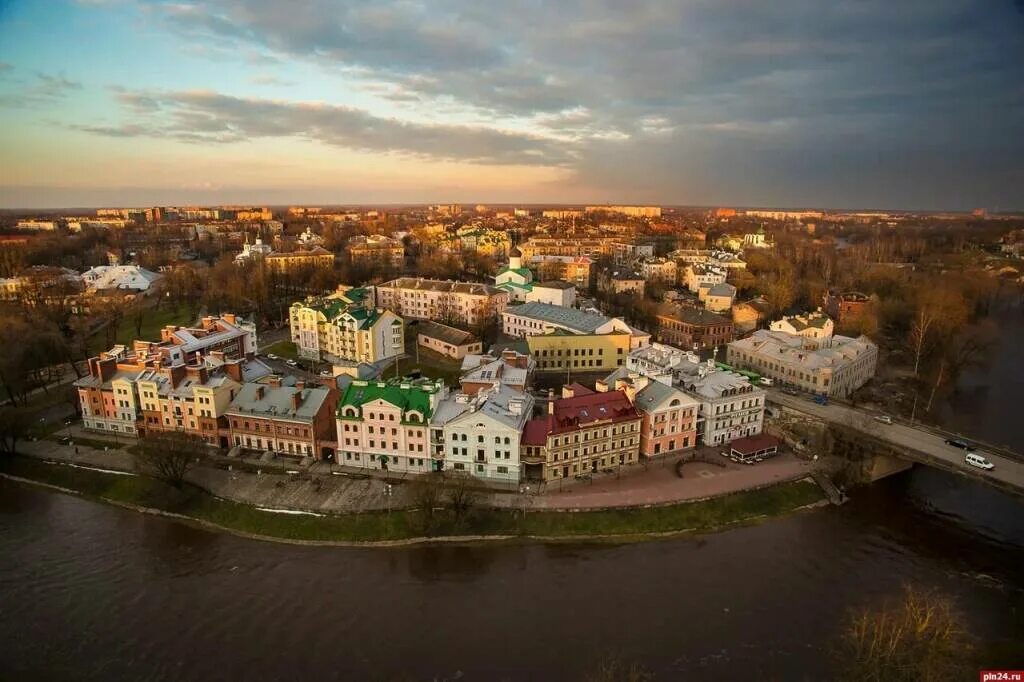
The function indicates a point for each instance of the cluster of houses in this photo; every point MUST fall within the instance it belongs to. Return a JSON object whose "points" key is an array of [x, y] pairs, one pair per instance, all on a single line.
{"points": [[645, 399]]}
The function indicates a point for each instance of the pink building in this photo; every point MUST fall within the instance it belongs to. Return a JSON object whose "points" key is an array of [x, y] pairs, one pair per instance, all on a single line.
{"points": [[669, 422], [386, 425]]}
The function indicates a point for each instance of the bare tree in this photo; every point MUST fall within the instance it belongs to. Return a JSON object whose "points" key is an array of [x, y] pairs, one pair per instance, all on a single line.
{"points": [[461, 498], [426, 495], [168, 455], [920, 638], [920, 334], [14, 425]]}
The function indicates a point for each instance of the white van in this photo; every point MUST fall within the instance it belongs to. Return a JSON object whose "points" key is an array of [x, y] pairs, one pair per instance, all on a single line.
{"points": [[976, 460], [765, 381]]}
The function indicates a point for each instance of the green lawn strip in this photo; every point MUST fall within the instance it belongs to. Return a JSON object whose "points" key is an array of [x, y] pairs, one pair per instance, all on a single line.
{"points": [[91, 442], [432, 368], [376, 526], [283, 349]]}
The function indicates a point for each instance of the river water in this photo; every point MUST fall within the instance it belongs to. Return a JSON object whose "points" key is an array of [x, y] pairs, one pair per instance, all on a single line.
{"points": [[89, 591]]}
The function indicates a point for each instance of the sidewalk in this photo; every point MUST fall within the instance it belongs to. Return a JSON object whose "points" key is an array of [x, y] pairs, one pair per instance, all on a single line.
{"points": [[319, 489]]}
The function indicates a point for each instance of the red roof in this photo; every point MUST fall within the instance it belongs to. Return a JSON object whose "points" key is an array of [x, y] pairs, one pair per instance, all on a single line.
{"points": [[752, 444], [579, 411]]}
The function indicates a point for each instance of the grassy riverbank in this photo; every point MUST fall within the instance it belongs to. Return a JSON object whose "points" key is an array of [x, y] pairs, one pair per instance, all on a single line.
{"points": [[196, 504]]}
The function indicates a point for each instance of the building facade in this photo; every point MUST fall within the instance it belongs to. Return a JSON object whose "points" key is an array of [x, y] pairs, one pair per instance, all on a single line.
{"points": [[692, 328], [448, 302]]}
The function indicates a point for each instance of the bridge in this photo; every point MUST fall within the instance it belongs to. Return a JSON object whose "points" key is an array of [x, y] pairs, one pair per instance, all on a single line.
{"points": [[917, 443]]}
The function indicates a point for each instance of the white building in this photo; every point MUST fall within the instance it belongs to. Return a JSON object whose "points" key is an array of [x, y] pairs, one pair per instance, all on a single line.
{"points": [[816, 328], [659, 270], [697, 276], [480, 434], [535, 319], [836, 367], [123, 277], [730, 406], [718, 298], [254, 251], [442, 301], [553, 293]]}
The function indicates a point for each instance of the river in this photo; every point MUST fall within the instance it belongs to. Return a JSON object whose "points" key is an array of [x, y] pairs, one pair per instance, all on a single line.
{"points": [[89, 591]]}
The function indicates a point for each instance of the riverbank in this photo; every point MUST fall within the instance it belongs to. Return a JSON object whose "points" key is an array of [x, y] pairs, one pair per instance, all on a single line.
{"points": [[194, 505]]}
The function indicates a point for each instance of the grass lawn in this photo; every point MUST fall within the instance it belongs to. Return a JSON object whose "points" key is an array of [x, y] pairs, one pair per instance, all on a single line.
{"points": [[283, 349], [154, 320], [375, 526], [432, 365]]}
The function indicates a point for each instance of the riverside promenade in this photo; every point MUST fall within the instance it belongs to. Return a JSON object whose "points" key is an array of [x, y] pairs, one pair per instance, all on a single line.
{"points": [[323, 488]]}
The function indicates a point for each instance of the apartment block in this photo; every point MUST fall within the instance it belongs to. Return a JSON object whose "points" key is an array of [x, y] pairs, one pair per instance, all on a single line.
{"points": [[459, 303], [342, 328], [294, 421], [583, 433]]}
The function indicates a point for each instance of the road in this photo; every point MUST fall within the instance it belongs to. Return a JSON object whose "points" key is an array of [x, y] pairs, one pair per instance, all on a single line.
{"points": [[915, 440]]}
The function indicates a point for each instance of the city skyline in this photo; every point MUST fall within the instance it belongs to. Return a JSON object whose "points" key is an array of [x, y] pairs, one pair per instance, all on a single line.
{"points": [[108, 102]]}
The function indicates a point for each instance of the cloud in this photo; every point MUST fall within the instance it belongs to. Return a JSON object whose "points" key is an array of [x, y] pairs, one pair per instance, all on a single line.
{"points": [[42, 89], [270, 79], [211, 117]]}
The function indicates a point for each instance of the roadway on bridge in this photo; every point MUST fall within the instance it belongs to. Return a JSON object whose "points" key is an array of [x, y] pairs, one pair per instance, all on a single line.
{"points": [[923, 440]]}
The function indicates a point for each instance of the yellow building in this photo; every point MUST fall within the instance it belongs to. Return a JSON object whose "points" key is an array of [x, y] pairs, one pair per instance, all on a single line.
{"points": [[562, 351], [341, 328], [284, 262]]}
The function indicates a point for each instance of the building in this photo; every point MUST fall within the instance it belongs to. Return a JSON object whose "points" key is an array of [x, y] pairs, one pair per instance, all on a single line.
{"points": [[309, 239], [581, 434], [253, 252], [448, 341], [591, 247], [693, 328], [511, 368], [631, 252], [718, 298], [621, 281], [847, 306], [669, 415], [532, 319], [292, 421], [38, 225], [384, 425], [480, 433], [343, 328], [514, 278], [553, 292], [484, 241], [566, 352], [190, 398], [663, 270], [815, 328], [574, 269], [749, 315], [730, 406], [785, 215], [696, 277], [316, 257], [376, 248], [227, 334], [460, 303], [631, 211], [756, 240], [835, 366], [120, 277]]}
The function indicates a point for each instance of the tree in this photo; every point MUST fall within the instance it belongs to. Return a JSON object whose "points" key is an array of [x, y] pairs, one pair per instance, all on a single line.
{"points": [[14, 425], [919, 639], [168, 455], [461, 498], [426, 494]]}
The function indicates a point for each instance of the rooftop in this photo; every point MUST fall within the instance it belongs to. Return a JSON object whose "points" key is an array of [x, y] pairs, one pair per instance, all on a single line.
{"points": [[570, 318], [436, 330]]}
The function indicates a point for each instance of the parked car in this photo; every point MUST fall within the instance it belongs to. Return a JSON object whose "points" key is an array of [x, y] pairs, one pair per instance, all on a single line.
{"points": [[790, 391], [271, 356], [821, 399], [976, 460], [765, 381], [962, 444], [291, 363], [884, 419]]}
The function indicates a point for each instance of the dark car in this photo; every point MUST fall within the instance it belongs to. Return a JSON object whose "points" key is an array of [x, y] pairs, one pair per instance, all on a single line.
{"points": [[957, 443]]}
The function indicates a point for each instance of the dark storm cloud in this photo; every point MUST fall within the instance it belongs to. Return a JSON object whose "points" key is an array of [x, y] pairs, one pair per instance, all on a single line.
{"points": [[646, 88], [216, 118]]}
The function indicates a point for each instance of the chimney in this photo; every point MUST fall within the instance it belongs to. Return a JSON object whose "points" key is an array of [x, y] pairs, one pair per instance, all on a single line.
{"points": [[274, 380], [551, 401], [177, 374], [300, 384], [198, 372], [208, 322], [260, 391], [234, 370], [230, 318], [567, 392], [296, 399]]}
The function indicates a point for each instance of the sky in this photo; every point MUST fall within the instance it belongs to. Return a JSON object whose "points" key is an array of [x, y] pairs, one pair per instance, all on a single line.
{"points": [[914, 104]]}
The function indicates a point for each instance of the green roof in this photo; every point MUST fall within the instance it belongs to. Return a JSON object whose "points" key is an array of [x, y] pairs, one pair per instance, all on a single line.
{"points": [[408, 395], [525, 272]]}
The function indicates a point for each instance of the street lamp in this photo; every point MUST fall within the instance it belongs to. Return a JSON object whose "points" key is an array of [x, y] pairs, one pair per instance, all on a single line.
{"points": [[524, 490], [388, 489]]}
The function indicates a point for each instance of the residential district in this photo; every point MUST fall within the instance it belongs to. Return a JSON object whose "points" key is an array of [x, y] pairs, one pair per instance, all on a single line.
{"points": [[511, 344]]}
